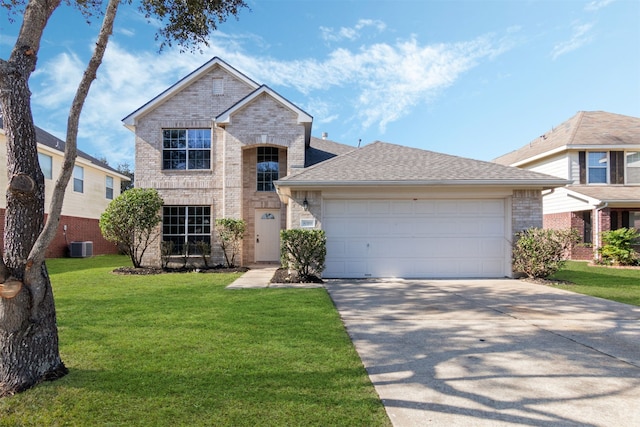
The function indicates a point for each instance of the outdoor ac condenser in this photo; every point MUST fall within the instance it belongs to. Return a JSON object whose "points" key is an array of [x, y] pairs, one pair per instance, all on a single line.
{"points": [[81, 249]]}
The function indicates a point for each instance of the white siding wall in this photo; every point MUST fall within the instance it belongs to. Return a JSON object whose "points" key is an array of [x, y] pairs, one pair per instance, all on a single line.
{"points": [[559, 201], [557, 165]]}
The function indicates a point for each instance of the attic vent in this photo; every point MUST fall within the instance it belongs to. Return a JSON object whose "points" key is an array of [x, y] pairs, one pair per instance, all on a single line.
{"points": [[218, 87]]}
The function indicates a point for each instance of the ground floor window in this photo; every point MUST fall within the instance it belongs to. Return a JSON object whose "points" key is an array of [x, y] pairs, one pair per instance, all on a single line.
{"points": [[182, 224], [587, 230]]}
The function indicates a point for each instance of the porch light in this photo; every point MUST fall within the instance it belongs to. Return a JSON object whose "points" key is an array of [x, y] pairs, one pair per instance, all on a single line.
{"points": [[305, 205]]}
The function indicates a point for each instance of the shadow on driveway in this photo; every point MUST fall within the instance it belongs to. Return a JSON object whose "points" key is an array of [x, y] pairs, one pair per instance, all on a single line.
{"points": [[494, 352]]}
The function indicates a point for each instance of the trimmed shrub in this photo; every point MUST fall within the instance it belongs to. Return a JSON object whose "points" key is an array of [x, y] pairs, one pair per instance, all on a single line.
{"points": [[539, 253], [617, 247], [130, 221], [303, 251], [230, 234]]}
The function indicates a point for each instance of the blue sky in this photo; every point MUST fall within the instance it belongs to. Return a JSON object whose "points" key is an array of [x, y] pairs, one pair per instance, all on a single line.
{"points": [[470, 78]]}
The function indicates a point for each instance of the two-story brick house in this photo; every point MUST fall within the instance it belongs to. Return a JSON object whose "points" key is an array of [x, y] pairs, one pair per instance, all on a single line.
{"points": [[92, 187], [217, 144], [599, 153]]}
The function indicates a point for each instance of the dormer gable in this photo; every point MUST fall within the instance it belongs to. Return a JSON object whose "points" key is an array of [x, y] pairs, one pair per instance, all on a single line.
{"points": [[131, 120]]}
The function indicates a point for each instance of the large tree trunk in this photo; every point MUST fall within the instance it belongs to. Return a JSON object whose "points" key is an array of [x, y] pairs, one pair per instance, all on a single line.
{"points": [[28, 332], [28, 329]]}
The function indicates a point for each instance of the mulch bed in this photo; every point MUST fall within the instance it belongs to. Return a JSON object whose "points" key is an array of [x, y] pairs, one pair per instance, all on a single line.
{"points": [[142, 271], [282, 275]]}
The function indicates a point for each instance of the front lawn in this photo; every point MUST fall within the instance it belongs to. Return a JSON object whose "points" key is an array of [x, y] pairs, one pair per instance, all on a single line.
{"points": [[617, 284], [179, 349]]}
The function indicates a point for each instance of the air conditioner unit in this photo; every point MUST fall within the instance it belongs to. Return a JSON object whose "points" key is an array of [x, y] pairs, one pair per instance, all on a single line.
{"points": [[81, 249]]}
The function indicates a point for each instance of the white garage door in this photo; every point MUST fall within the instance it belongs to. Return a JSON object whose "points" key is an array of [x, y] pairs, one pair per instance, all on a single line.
{"points": [[422, 238]]}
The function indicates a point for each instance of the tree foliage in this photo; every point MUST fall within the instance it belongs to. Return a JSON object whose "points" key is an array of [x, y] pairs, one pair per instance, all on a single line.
{"points": [[539, 252], [130, 221], [304, 251], [617, 247], [230, 233]]}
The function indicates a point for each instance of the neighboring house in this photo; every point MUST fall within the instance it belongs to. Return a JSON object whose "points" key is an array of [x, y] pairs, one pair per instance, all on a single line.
{"points": [[91, 188], [599, 153], [217, 144]]}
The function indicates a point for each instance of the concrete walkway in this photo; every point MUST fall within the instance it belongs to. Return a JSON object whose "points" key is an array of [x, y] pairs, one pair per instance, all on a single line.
{"points": [[259, 276], [494, 352]]}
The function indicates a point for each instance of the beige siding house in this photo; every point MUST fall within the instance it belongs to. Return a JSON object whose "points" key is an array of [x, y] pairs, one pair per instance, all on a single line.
{"points": [[217, 144], [599, 153], [91, 188]]}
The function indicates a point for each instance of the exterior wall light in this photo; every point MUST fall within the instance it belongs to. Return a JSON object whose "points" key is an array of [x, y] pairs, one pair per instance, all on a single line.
{"points": [[305, 205]]}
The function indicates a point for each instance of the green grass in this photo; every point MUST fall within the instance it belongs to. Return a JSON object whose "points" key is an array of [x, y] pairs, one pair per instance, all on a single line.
{"points": [[617, 284], [180, 350]]}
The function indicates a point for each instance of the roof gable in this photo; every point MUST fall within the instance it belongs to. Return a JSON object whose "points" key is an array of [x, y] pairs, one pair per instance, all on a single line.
{"points": [[585, 130], [129, 121], [225, 117], [381, 163]]}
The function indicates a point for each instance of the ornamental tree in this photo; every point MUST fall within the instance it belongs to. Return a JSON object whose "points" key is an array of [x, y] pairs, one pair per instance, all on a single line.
{"points": [[28, 331], [130, 221]]}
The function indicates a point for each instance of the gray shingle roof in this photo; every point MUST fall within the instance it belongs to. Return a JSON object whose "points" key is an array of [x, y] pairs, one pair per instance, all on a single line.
{"points": [[609, 193], [586, 128], [382, 163], [320, 150]]}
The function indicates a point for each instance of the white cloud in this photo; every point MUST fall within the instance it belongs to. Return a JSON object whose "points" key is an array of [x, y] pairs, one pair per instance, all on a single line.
{"points": [[370, 86], [580, 37], [350, 33], [597, 5]]}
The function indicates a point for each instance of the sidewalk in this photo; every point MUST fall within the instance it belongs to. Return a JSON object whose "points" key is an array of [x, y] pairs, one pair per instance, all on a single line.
{"points": [[259, 276]]}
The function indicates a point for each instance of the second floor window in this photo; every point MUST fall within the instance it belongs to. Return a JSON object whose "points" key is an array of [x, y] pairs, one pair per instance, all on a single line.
{"points": [[268, 168], [109, 186], [186, 149], [597, 167], [633, 168], [46, 165], [78, 179]]}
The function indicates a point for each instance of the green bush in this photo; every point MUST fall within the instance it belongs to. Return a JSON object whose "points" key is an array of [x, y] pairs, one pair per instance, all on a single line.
{"points": [[539, 253], [230, 234], [303, 251], [617, 247], [130, 221]]}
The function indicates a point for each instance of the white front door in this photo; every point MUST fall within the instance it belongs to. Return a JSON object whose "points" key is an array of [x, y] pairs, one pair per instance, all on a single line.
{"points": [[267, 238]]}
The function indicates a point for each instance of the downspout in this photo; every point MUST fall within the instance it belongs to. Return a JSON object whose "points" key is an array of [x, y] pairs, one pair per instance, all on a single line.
{"points": [[596, 246]]}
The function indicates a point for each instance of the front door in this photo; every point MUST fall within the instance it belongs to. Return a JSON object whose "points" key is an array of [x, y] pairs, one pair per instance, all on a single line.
{"points": [[267, 235]]}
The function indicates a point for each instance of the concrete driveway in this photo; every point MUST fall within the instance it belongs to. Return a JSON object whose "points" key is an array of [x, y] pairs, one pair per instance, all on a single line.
{"points": [[494, 352]]}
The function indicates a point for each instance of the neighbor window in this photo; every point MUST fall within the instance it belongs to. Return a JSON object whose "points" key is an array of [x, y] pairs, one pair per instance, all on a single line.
{"points": [[78, 179], [46, 163], [109, 186], [633, 168], [182, 224], [597, 167], [268, 168], [186, 149]]}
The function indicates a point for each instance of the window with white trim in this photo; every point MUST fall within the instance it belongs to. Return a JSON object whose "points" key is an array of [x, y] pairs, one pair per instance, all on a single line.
{"points": [[597, 167], [109, 187], [186, 149], [268, 168], [46, 165], [633, 167], [78, 179], [181, 224]]}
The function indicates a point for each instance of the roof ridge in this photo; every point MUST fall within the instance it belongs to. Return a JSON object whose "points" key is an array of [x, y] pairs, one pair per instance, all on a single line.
{"points": [[575, 129]]}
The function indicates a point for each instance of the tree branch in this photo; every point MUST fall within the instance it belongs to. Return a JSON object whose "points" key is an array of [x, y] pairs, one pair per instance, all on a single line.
{"points": [[70, 151]]}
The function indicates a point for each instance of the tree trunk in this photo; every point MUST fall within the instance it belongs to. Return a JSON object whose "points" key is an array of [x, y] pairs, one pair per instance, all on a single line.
{"points": [[28, 331]]}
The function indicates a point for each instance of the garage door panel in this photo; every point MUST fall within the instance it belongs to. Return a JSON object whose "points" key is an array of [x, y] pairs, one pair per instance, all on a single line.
{"points": [[423, 238]]}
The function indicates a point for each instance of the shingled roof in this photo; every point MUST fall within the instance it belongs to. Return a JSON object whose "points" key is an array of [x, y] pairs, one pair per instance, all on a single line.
{"points": [[582, 131], [381, 163]]}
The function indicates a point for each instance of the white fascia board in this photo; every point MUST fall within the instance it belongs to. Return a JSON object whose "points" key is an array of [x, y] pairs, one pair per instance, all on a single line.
{"points": [[130, 120], [225, 117], [448, 183]]}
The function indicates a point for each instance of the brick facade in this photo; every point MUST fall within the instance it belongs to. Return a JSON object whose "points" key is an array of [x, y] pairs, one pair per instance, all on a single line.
{"points": [[78, 230], [526, 210]]}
